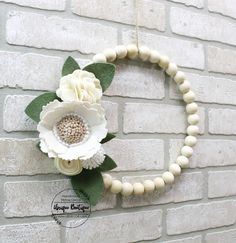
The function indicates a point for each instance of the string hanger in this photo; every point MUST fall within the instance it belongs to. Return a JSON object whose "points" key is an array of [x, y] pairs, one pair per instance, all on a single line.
{"points": [[136, 8]]}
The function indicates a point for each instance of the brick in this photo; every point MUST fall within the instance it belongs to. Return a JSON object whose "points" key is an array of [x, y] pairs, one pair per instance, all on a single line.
{"points": [[226, 7], [160, 118], [14, 117], [16, 104], [196, 239], [137, 82], [207, 152], [220, 183], [153, 13], [195, 3], [227, 236], [34, 198], [221, 121], [224, 89], [126, 227], [136, 154], [187, 187], [200, 217], [202, 26], [221, 60], [30, 71], [21, 157], [47, 232], [37, 30], [192, 57]]}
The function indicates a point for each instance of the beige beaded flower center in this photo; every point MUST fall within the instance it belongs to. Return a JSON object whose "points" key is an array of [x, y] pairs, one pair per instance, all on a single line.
{"points": [[71, 129]]}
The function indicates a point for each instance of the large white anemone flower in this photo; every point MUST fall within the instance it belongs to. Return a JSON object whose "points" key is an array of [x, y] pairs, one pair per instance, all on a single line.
{"points": [[72, 130]]}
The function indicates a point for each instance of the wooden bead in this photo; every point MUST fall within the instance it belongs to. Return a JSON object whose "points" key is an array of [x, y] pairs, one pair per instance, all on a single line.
{"points": [[175, 169], [121, 51], [184, 87], [107, 180], [179, 77], [191, 108], [187, 151], [193, 119], [127, 189], [116, 186], [144, 53], [99, 58], [168, 177], [189, 97], [110, 55], [190, 141], [149, 186], [138, 188], [132, 51], [182, 161], [164, 61], [192, 130], [159, 183], [154, 56], [172, 69]]}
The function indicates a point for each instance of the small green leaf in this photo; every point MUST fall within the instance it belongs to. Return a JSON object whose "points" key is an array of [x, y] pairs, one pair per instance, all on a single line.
{"points": [[108, 164], [35, 107], [103, 71], [69, 66], [109, 137], [90, 182]]}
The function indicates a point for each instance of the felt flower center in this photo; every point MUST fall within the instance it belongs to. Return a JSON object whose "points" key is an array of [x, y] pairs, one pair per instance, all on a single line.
{"points": [[71, 129]]}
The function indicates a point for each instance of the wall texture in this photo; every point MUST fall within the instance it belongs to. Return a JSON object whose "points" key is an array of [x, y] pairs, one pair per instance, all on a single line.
{"points": [[143, 108]]}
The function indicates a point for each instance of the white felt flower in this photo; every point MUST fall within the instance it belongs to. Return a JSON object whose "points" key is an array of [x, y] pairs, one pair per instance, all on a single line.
{"points": [[71, 130], [95, 161], [80, 86], [68, 167]]}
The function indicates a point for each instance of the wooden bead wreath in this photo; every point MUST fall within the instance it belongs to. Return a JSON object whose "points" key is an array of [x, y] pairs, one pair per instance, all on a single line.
{"points": [[182, 161]]}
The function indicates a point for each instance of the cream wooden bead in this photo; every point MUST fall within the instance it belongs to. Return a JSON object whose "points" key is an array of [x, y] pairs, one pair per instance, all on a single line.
{"points": [[182, 161], [191, 108], [138, 188], [164, 61], [159, 183], [187, 151], [127, 189], [99, 58], [193, 119], [175, 169], [154, 56], [144, 53], [168, 177], [116, 186], [172, 69], [189, 97], [190, 141], [110, 55], [132, 51], [121, 51], [149, 186], [184, 87], [107, 180], [179, 77], [192, 130]]}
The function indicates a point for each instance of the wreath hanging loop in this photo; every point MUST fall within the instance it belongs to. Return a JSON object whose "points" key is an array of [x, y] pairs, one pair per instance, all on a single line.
{"points": [[72, 123]]}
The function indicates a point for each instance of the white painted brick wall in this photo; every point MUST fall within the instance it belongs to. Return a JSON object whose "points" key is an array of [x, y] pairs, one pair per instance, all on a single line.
{"points": [[143, 108]]}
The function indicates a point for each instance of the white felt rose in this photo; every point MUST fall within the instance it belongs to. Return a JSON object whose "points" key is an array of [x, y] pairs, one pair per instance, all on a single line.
{"points": [[80, 86], [68, 167], [72, 130]]}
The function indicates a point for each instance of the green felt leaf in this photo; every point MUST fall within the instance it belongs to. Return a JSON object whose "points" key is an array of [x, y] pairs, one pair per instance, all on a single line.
{"points": [[109, 137], [35, 107], [103, 71], [90, 183], [69, 66], [108, 164]]}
